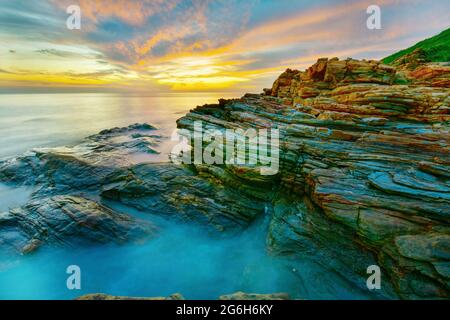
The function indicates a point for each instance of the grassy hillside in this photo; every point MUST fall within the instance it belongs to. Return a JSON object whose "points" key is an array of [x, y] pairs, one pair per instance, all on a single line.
{"points": [[437, 48]]}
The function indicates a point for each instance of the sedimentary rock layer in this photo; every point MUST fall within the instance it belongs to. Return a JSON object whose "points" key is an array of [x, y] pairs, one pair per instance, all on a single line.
{"points": [[366, 146]]}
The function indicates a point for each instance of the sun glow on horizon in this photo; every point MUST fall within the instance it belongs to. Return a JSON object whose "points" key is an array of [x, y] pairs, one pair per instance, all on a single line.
{"points": [[177, 45]]}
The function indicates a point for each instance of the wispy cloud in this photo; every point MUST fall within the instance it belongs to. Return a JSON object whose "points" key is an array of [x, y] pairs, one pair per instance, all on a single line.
{"points": [[198, 44], [132, 12], [5, 71]]}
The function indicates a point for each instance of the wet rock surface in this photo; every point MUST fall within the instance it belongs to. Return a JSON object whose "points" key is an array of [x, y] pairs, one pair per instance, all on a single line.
{"points": [[68, 221], [182, 193], [364, 160], [364, 177], [64, 208], [83, 166], [72, 185]]}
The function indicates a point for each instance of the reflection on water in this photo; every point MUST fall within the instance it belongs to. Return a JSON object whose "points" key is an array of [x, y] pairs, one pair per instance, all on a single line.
{"points": [[42, 120]]}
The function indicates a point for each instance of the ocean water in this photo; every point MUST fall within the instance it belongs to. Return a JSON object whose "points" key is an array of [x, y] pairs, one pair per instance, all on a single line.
{"points": [[50, 120], [181, 258]]}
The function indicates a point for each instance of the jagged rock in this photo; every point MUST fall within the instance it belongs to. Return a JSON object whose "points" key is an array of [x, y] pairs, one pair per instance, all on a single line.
{"points": [[364, 153], [67, 220], [114, 131], [299, 226], [102, 296], [282, 86], [411, 60], [103, 166], [416, 68], [83, 166]]}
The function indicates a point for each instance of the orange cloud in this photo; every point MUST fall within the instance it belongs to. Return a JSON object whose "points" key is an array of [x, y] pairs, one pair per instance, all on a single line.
{"points": [[132, 12], [273, 34], [196, 59]]}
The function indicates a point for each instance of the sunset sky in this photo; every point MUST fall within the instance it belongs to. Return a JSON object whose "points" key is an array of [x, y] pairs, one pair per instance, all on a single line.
{"points": [[177, 45]]}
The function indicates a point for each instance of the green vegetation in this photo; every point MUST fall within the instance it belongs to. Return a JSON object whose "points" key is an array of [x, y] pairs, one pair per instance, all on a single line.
{"points": [[436, 49]]}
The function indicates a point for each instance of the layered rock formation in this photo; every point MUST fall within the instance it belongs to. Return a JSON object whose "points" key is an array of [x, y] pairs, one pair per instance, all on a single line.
{"points": [[364, 177], [64, 209], [67, 220], [72, 184], [364, 159]]}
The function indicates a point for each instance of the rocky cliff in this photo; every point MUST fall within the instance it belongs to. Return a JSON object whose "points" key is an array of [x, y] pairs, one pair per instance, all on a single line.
{"points": [[365, 159], [364, 176]]}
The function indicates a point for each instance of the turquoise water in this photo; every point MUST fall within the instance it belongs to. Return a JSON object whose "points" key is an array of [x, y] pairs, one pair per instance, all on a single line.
{"points": [[181, 258]]}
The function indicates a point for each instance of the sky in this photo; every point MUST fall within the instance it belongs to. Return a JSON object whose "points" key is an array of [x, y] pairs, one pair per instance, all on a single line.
{"points": [[195, 45]]}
